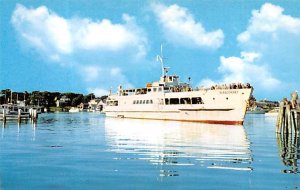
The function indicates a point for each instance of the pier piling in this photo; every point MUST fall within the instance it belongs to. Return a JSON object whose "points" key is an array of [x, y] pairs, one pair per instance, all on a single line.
{"points": [[19, 116], [288, 119], [4, 116], [34, 115], [30, 113]]}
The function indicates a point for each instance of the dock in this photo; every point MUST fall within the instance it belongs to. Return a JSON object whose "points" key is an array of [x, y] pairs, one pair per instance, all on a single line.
{"points": [[18, 113]]}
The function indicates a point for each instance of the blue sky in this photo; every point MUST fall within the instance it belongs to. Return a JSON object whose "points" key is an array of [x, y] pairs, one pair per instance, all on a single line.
{"points": [[91, 46]]}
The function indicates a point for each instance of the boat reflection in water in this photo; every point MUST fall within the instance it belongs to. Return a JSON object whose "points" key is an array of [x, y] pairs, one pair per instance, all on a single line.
{"points": [[170, 143], [289, 151]]}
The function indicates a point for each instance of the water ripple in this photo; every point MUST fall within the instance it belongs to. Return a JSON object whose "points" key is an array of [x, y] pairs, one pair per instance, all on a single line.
{"points": [[180, 144]]}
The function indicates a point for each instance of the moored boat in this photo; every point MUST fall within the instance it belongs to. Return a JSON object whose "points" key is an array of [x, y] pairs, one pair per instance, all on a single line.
{"points": [[74, 110], [273, 112], [255, 110]]}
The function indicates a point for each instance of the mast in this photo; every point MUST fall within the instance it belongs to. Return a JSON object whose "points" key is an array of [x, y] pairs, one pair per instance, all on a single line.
{"points": [[160, 58]]}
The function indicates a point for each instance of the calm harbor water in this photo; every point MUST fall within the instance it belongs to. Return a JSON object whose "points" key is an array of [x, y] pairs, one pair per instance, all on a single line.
{"points": [[88, 150]]}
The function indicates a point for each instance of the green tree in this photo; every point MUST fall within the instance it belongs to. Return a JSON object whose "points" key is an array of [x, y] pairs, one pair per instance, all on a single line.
{"points": [[88, 97], [77, 100]]}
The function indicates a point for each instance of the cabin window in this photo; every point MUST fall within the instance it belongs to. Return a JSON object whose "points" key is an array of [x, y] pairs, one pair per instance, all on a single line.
{"points": [[170, 79], [197, 100], [154, 89], [226, 98], [167, 101], [151, 101], [174, 101], [133, 101], [185, 101], [112, 103], [159, 89], [149, 89], [141, 101], [144, 101], [147, 102]]}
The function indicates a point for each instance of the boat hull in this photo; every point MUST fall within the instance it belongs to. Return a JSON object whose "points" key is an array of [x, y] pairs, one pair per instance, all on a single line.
{"points": [[225, 122]]}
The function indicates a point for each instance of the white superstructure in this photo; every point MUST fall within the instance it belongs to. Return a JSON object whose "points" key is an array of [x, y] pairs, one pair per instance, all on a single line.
{"points": [[168, 99]]}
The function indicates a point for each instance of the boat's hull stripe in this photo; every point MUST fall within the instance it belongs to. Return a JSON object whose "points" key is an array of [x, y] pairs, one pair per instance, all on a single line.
{"points": [[146, 111], [200, 121], [205, 109]]}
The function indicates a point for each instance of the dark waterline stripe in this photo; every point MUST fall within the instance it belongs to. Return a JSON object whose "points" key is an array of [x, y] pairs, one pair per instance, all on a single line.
{"points": [[198, 121]]}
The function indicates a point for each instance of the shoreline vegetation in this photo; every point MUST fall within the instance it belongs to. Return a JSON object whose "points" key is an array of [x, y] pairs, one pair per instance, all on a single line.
{"points": [[52, 101]]}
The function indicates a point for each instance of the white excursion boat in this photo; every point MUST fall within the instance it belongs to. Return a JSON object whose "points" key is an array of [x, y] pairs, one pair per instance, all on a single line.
{"points": [[169, 99]]}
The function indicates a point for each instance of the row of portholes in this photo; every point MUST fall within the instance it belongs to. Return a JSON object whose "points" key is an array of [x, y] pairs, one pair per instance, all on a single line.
{"points": [[142, 101], [226, 98]]}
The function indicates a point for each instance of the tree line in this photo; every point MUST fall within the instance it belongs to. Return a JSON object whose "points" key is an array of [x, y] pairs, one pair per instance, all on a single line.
{"points": [[44, 98]]}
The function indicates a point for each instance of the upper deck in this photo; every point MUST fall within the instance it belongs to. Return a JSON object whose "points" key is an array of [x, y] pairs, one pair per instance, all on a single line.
{"points": [[171, 84]]}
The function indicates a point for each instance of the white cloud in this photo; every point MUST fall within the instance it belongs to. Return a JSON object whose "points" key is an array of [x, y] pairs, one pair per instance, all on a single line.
{"points": [[276, 37], [98, 91], [105, 35], [180, 27], [42, 29], [102, 79], [51, 34], [91, 48], [269, 57], [270, 20], [244, 69]]}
